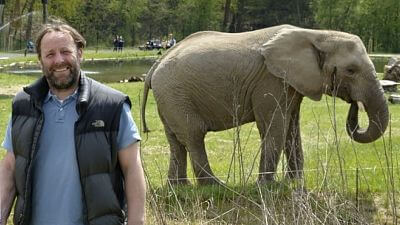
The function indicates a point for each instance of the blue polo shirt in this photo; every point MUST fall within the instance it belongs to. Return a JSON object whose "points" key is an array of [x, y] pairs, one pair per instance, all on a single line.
{"points": [[57, 194]]}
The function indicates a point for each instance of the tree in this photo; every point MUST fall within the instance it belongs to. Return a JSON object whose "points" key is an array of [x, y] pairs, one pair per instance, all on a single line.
{"points": [[227, 11], [28, 33], [256, 14], [375, 21]]}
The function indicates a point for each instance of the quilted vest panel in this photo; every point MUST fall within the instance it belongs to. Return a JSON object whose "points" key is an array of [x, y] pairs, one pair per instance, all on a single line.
{"points": [[95, 139]]}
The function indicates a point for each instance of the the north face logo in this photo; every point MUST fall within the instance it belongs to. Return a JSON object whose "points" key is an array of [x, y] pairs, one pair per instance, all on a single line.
{"points": [[98, 123]]}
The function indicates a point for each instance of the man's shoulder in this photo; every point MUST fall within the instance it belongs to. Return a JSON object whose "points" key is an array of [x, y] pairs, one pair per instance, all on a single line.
{"points": [[21, 96], [105, 94], [100, 87], [22, 104]]}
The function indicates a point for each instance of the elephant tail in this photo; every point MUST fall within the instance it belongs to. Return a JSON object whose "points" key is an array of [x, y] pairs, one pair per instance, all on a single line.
{"points": [[147, 87], [143, 106]]}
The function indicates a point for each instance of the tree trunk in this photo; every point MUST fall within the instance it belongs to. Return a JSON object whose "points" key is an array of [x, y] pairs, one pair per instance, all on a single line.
{"points": [[97, 40], [232, 25], [2, 12], [133, 35], [44, 12], [28, 34], [239, 17], [226, 15]]}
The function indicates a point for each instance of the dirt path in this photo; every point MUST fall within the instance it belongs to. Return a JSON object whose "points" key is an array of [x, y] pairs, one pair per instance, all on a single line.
{"points": [[10, 90]]}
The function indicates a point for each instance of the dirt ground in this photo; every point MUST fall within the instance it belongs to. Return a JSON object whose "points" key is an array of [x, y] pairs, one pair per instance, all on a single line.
{"points": [[10, 91]]}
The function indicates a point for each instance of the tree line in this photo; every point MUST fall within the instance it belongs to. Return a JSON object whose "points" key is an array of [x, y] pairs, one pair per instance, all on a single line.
{"points": [[377, 22]]}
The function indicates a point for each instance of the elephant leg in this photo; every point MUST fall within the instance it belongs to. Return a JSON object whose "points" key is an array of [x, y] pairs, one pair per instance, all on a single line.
{"points": [[276, 123], [272, 140], [193, 136], [199, 160], [293, 148], [177, 172], [187, 136], [178, 161]]}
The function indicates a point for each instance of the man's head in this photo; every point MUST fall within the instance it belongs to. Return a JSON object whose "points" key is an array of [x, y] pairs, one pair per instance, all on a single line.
{"points": [[59, 48]]}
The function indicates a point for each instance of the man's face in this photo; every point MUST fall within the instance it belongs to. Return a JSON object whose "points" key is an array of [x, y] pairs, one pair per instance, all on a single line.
{"points": [[60, 60]]}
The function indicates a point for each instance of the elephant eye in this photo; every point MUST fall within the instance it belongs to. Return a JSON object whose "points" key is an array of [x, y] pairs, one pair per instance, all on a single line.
{"points": [[350, 71]]}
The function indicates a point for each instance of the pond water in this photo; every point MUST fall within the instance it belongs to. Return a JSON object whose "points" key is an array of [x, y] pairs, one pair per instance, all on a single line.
{"points": [[106, 71]]}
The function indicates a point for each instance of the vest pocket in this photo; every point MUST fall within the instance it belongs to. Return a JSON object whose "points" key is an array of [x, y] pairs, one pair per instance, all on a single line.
{"points": [[101, 198]]}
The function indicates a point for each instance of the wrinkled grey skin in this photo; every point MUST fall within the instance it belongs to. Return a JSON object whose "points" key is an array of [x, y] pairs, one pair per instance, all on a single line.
{"points": [[213, 81]]}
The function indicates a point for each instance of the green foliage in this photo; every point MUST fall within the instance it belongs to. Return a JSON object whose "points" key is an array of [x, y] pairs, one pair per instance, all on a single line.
{"points": [[260, 14], [66, 8], [376, 22], [346, 182]]}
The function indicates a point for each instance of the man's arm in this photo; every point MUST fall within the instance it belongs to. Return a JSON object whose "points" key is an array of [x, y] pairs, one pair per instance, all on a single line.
{"points": [[7, 186], [135, 185]]}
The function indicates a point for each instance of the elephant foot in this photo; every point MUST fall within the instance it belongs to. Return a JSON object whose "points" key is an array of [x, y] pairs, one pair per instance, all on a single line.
{"points": [[265, 181], [294, 174], [180, 181], [300, 192], [266, 178], [209, 181]]}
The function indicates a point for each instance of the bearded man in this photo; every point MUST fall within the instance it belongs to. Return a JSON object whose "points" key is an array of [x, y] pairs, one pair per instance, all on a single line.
{"points": [[72, 145]]}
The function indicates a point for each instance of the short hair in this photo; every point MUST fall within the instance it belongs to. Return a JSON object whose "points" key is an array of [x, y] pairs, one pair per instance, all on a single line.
{"points": [[80, 42]]}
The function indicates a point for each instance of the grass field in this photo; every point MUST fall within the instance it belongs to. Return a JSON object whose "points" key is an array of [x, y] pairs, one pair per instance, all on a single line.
{"points": [[345, 182], [88, 55]]}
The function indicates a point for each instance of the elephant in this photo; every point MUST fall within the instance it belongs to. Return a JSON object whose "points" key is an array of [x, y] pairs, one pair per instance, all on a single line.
{"points": [[213, 81]]}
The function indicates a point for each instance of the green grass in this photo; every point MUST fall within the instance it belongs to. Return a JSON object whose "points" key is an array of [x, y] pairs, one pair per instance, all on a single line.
{"points": [[346, 182], [88, 55], [126, 53]]}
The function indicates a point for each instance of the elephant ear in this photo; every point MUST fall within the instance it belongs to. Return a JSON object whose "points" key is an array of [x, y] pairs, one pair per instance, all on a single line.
{"points": [[296, 56]]}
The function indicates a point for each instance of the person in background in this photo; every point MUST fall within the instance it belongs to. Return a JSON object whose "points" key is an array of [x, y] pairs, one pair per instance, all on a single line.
{"points": [[120, 43], [171, 42], [116, 43], [29, 47], [72, 145]]}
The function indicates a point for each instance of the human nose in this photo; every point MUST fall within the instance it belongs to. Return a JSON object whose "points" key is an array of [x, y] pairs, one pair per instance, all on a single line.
{"points": [[58, 58]]}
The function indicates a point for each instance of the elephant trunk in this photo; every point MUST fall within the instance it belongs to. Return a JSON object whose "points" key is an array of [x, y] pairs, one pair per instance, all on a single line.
{"points": [[378, 115]]}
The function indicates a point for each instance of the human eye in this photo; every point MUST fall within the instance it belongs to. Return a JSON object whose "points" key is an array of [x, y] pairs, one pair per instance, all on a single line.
{"points": [[66, 52]]}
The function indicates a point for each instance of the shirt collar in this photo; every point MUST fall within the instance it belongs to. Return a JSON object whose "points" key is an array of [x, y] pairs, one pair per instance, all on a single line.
{"points": [[55, 98]]}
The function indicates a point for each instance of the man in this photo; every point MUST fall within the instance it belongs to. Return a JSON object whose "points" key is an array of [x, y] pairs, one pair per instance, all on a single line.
{"points": [[120, 43], [72, 145]]}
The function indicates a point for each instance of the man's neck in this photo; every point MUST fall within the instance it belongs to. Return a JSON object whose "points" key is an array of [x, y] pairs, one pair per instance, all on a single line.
{"points": [[63, 93]]}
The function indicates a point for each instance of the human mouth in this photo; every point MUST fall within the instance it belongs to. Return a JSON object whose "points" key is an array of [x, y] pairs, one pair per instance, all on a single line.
{"points": [[61, 69]]}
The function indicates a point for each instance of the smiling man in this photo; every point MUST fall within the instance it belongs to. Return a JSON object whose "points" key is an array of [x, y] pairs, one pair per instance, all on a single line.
{"points": [[72, 145]]}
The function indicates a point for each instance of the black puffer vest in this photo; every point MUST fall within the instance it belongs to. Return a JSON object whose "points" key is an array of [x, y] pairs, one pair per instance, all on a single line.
{"points": [[99, 108]]}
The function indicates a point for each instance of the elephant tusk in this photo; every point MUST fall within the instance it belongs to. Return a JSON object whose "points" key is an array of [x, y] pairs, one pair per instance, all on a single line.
{"points": [[361, 106]]}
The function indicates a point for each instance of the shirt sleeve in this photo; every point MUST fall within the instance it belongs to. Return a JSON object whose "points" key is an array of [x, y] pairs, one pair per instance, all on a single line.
{"points": [[7, 143], [128, 132]]}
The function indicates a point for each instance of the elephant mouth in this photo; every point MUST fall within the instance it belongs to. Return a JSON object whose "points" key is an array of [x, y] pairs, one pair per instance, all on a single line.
{"points": [[338, 89], [343, 93], [378, 114], [348, 100]]}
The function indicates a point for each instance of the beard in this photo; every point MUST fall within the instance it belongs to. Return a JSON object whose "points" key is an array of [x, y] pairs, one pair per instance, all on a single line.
{"points": [[65, 82]]}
